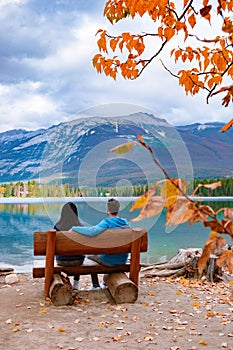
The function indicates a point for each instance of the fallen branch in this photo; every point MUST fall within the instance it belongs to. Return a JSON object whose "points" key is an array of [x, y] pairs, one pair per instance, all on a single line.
{"points": [[163, 266], [166, 273]]}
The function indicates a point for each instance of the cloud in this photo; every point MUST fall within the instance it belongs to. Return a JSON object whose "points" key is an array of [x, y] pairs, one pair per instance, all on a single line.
{"points": [[46, 72], [24, 103]]}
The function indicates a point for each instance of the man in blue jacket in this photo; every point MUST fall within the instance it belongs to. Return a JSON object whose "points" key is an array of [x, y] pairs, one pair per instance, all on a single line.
{"points": [[112, 221]]}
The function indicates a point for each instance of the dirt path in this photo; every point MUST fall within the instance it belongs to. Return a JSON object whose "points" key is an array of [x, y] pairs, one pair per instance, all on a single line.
{"points": [[168, 315]]}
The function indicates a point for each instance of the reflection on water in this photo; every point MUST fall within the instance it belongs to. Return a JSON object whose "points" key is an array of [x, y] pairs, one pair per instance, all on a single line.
{"points": [[19, 221]]}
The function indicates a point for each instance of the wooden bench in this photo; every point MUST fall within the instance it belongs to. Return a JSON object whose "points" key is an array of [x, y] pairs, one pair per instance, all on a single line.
{"points": [[110, 241]]}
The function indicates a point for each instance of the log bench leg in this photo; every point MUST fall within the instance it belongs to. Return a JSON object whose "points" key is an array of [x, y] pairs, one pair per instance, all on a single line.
{"points": [[59, 293], [121, 288]]}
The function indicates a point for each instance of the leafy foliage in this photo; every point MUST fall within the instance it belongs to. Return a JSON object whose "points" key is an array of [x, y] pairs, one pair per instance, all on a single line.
{"points": [[208, 62], [181, 207]]}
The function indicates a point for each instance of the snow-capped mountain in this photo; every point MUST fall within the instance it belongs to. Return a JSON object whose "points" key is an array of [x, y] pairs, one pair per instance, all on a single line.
{"points": [[78, 151]]}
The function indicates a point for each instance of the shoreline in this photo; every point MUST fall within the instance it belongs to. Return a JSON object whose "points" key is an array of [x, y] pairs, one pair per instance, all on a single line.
{"points": [[41, 200]]}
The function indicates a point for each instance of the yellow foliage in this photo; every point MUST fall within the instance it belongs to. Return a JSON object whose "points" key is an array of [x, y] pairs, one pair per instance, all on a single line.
{"points": [[171, 190]]}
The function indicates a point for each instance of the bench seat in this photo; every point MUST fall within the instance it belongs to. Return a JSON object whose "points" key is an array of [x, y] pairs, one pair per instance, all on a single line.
{"points": [[110, 241]]}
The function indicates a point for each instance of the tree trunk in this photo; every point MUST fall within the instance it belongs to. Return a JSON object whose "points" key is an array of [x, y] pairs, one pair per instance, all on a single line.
{"points": [[122, 289], [59, 292]]}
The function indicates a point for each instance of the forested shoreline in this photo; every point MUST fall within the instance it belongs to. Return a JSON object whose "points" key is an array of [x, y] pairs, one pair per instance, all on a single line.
{"points": [[33, 189]]}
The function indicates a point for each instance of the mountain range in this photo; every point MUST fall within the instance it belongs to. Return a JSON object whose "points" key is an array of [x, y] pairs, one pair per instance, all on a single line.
{"points": [[79, 151]]}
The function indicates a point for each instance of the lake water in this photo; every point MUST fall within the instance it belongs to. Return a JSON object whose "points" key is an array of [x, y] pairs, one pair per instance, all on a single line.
{"points": [[18, 221]]}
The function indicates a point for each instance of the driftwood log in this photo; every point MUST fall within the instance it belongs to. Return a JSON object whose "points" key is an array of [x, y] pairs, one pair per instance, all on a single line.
{"points": [[121, 288], [183, 263], [60, 292]]}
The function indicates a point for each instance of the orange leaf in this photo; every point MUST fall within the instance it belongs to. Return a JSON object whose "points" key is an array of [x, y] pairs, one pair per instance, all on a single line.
{"points": [[153, 207], [196, 304], [113, 44], [227, 26], [15, 330], [99, 31], [61, 329], [192, 20], [215, 226], [169, 33], [125, 148], [210, 314], [160, 32], [43, 311], [227, 126], [140, 138]]}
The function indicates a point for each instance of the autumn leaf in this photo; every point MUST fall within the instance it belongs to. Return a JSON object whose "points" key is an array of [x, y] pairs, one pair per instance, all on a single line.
{"points": [[227, 25], [228, 226], [214, 225], [196, 304], [201, 214], [192, 20], [16, 329], [140, 202], [203, 342], [125, 148], [152, 207], [61, 329], [179, 212], [170, 190], [151, 293], [213, 65], [211, 186], [148, 337], [210, 314], [228, 213], [117, 338], [43, 311], [205, 11], [179, 292], [227, 126]]}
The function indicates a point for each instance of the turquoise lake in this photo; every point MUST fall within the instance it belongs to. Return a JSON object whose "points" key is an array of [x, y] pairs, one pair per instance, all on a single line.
{"points": [[18, 221]]}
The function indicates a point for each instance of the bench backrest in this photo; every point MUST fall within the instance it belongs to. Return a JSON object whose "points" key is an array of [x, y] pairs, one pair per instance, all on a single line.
{"points": [[110, 241]]}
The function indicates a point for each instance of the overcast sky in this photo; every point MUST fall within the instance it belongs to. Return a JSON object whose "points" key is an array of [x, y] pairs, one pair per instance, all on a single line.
{"points": [[46, 72]]}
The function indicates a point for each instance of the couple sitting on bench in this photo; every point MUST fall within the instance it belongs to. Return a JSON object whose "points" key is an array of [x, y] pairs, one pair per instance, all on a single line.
{"points": [[69, 221]]}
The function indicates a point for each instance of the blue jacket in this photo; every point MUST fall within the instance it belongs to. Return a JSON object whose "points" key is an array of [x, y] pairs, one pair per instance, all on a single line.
{"points": [[113, 222]]}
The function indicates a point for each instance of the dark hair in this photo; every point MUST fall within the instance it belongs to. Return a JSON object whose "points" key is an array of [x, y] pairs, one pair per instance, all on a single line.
{"points": [[73, 207], [113, 206], [68, 218]]}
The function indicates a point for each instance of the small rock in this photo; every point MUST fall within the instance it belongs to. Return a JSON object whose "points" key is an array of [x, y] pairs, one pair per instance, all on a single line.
{"points": [[11, 279]]}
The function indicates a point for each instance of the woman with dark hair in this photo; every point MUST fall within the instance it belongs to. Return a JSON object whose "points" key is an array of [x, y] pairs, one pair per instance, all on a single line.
{"points": [[69, 218]]}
